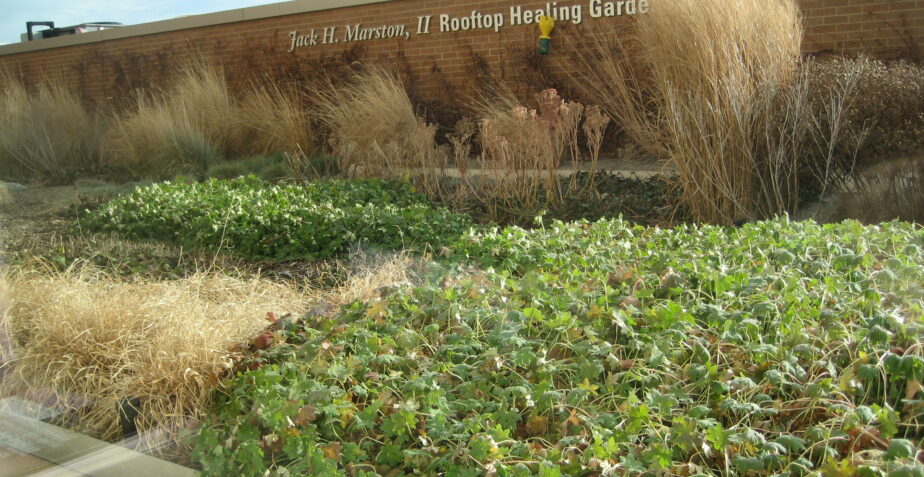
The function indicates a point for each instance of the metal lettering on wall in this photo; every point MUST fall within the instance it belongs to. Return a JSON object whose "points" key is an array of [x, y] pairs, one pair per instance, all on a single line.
{"points": [[442, 23]]}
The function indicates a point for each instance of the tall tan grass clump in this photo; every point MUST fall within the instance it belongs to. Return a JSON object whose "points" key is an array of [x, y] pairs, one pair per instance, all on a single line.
{"points": [[157, 139], [698, 82], [373, 128], [90, 343], [179, 130], [197, 122], [272, 119], [48, 134], [201, 94]]}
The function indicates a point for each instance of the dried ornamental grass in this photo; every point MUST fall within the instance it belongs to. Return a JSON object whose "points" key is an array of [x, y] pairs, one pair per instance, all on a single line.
{"points": [[271, 119], [201, 94], [90, 342], [157, 140], [698, 83], [372, 125], [46, 134], [180, 130]]}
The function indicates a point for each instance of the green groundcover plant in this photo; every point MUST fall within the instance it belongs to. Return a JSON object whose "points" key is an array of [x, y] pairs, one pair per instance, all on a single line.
{"points": [[259, 220], [777, 348]]}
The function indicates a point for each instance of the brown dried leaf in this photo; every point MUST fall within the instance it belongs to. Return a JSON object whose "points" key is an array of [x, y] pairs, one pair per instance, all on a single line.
{"points": [[306, 414], [332, 451]]}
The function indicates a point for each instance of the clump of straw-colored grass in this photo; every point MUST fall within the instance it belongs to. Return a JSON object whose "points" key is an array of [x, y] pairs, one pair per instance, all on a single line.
{"points": [[369, 274], [156, 140], [271, 119], [48, 134], [179, 130], [201, 94], [92, 342], [698, 82], [197, 122], [372, 126], [374, 131]]}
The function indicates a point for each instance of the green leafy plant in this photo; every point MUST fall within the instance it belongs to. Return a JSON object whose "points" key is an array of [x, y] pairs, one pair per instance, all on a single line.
{"points": [[588, 348], [255, 219], [271, 168]]}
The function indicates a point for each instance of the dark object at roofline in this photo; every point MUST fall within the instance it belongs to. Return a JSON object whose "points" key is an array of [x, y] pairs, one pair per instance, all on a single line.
{"points": [[51, 32]]}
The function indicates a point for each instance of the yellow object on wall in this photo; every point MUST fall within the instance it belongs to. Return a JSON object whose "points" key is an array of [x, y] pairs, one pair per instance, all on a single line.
{"points": [[546, 25]]}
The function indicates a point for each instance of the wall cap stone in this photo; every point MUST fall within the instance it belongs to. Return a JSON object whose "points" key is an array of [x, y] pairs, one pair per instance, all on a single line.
{"points": [[184, 23]]}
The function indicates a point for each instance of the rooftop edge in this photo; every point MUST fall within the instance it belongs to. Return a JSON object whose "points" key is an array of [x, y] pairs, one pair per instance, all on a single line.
{"points": [[184, 23]]}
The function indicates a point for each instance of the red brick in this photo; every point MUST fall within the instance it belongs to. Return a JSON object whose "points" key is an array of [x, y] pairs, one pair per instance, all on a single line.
{"points": [[101, 70]]}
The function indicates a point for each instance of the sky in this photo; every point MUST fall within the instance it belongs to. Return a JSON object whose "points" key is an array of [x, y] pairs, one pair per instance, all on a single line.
{"points": [[15, 13]]}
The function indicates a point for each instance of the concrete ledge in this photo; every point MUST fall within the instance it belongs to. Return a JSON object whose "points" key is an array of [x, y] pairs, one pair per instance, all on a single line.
{"points": [[184, 23], [79, 453]]}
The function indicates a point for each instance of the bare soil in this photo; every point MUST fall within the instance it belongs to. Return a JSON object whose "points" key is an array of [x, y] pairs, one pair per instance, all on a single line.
{"points": [[40, 214], [37, 222]]}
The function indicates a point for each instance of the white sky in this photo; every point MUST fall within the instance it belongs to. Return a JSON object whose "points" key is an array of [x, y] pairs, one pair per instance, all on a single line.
{"points": [[15, 13]]}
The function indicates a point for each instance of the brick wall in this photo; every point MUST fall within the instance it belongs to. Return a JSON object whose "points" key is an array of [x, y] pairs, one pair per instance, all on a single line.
{"points": [[889, 28], [438, 67]]}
